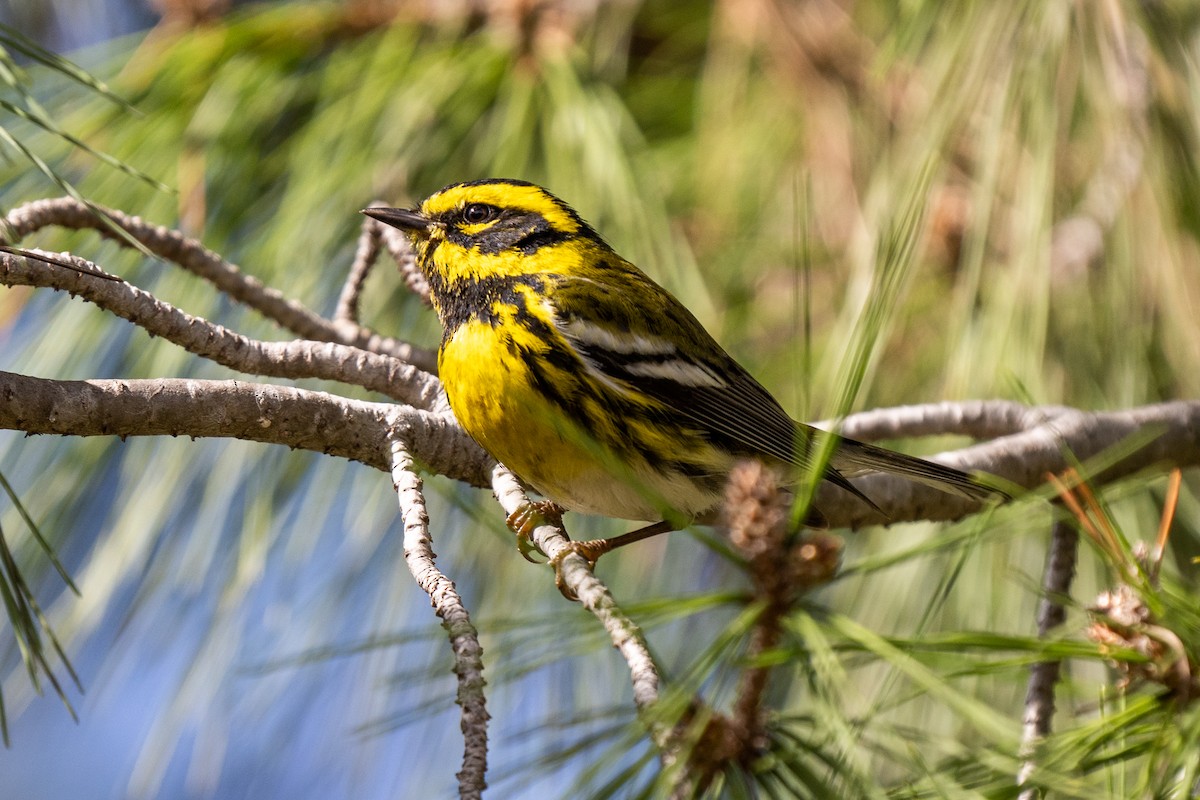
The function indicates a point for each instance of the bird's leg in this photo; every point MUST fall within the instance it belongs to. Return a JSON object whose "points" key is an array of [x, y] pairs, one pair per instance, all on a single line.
{"points": [[592, 549], [537, 512], [529, 516]]}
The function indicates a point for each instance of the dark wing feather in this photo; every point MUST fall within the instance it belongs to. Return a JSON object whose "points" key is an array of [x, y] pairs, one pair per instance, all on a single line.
{"points": [[735, 412], [733, 409], [742, 417]]}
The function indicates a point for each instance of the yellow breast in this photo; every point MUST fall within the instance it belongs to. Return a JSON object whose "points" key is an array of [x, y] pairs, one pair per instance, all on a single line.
{"points": [[491, 390], [495, 395]]}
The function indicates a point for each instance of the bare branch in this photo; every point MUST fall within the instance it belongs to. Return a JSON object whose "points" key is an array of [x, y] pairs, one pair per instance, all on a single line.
{"points": [[400, 249], [300, 419], [401, 252], [293, 359], [364, 258], [193, 256], [193, 408], [978, 419], [1024, 458], [464, 639], [64, 261], [1039, 694]]}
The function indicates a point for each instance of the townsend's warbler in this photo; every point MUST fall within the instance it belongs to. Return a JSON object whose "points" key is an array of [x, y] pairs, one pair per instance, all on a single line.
{"points": [[587, 379]]}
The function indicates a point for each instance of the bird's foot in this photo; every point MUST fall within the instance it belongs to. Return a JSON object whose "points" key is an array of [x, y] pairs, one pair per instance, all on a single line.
{"points": [[528, 517], [592, 549]]}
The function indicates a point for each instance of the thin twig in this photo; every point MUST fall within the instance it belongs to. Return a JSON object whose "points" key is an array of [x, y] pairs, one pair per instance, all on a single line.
{"points": [[364, 258], [193, 256], [1039, 695], [578, 577], [292, 359], [464, 639], [401, 251]]}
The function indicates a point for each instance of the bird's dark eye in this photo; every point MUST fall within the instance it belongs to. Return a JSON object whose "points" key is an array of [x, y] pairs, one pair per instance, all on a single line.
{"points": [[479, 212]]}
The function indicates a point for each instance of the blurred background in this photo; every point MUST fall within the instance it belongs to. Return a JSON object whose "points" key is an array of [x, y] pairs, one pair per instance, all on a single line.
{"points": [[946, 201]]}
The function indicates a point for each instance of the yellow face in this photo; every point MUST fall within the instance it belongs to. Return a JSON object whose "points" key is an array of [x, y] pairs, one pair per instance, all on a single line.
{"points": [[491, 230], [475, 241]]}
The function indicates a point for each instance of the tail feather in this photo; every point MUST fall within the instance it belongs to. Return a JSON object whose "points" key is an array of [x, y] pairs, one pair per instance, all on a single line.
{"points": [[854, 458]]}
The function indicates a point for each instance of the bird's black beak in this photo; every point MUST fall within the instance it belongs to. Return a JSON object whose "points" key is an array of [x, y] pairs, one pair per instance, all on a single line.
{"points": [[401, 218]]}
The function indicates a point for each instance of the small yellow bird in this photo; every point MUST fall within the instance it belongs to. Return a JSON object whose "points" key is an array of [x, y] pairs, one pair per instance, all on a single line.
{"points": [[587, 379]]}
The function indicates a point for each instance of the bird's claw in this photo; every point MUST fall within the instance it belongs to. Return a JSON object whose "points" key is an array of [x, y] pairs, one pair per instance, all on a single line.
{"points": [[590, 551], [528, 517]]}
